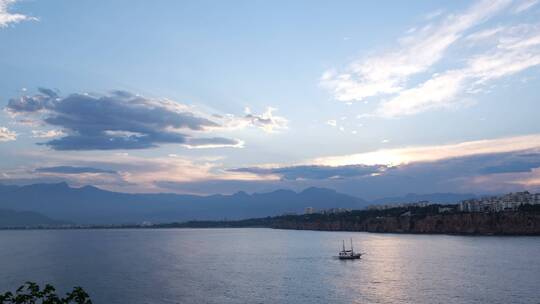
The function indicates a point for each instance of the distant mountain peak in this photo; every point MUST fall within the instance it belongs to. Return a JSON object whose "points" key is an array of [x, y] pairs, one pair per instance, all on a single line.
{"points": [[241, 193], [280, 191], [90, 188], [318, 190]]}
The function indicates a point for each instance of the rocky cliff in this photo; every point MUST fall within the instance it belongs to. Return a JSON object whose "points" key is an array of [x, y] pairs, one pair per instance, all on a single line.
{"points": [[503, 223]]}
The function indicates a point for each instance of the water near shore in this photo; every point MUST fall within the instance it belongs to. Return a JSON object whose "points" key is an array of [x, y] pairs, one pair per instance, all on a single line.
{"points": [[272, 266]]}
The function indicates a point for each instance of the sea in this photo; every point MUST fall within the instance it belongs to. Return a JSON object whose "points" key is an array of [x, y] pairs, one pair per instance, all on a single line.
{"points": [[262, 265]]}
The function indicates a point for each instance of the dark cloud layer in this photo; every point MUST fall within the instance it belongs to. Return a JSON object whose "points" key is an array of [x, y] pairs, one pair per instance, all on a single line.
{"points": [[315, 172], [120, 120], [73, 170], [212, 141], [480, 174], [45, 99], [513, 164], [471, 165]]}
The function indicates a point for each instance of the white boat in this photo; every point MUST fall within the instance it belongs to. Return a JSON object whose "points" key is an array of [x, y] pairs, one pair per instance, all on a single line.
{"points": [[348, 254]]}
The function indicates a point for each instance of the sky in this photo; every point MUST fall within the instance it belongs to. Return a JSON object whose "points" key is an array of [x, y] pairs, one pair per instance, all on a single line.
{"points": [[371, 99]]}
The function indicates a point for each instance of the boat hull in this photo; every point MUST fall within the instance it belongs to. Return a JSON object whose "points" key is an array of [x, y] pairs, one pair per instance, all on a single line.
{"points": [[350, 257]]}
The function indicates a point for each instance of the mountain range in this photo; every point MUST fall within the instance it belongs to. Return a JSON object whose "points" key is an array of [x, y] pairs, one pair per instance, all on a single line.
{"points": [[447, 198], [91, 205], [17, 219]]}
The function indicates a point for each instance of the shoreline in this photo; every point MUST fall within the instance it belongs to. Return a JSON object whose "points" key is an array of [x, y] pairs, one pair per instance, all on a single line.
{"points": [[274, 228], [405, 220]]}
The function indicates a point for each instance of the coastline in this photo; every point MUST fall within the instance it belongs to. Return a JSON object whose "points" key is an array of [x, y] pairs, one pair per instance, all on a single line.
{"points": [[519, 223], [504, 223]]}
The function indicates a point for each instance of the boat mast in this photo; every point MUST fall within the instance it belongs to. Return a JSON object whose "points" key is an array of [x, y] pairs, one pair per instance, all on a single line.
{"points": [[343, 245], [351, 246]]}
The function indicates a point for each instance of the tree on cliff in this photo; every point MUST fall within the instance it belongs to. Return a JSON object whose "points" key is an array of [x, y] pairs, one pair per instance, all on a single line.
{"points": [[30, 293]]}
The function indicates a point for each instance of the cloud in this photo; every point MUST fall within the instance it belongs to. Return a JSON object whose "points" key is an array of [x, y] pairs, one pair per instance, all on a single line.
{"points": [[315, 172], [398, 80], [398, 156], [213, 142], [437, 92], [511, 163], [7, 135], [485, 166], [482, 166], [47, 134], [525, 5], [484, 173], [463, 165], [514, 49], [266, 121], [388, 73], [479, 173], [434, 14], [133, 173], [484, 34], [73, 170], [119, 120], [7, 17], [33, 103], [453, 175], [332, 122]]}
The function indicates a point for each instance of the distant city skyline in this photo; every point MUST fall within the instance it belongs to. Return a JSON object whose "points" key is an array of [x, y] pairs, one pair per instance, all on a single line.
{"points": [[201, 97]]}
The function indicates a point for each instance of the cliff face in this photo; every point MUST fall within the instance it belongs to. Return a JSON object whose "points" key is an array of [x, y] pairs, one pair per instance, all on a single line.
{"points": [[504, 223]]}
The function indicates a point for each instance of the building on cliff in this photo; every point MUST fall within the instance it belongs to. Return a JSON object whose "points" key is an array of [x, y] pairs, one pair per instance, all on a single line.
{"points": [[507, 202], [309, 210], [335, 210], [420, 204]]}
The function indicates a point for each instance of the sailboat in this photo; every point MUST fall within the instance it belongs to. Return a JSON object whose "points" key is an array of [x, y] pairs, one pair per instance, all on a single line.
{"points": [[348, 254]]}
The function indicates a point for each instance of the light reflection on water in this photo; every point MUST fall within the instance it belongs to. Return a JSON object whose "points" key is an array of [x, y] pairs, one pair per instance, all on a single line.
{"points": [[273, 266]]}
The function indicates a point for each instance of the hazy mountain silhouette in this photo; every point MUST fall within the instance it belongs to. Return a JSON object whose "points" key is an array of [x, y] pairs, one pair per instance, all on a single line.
{"points": [[433, 197], [13, 219], [90, 205]]}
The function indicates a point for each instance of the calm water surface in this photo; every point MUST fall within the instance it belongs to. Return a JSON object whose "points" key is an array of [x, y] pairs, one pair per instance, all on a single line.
{"points": [[273, 266]]}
